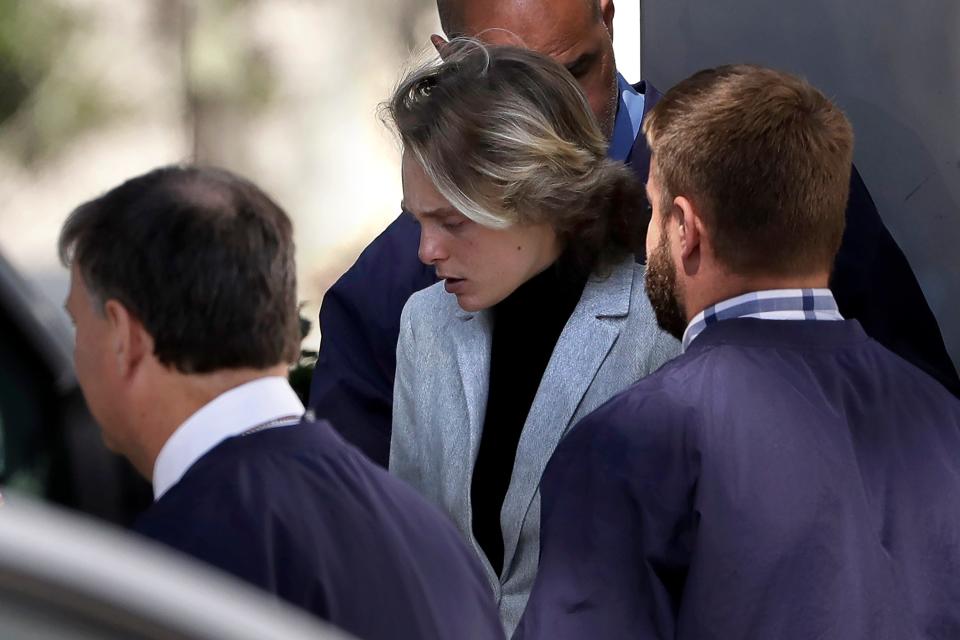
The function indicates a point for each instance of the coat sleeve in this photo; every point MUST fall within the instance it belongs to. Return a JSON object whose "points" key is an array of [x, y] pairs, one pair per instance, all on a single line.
{"points": [[352, 383], [616, 526]]}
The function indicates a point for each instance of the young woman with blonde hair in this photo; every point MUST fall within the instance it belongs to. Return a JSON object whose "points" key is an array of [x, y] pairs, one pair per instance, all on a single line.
{"points": [[541, 315]]}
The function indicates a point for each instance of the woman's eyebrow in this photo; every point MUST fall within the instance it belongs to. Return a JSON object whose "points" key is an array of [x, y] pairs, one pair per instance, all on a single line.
{"points": [[439, 212]]}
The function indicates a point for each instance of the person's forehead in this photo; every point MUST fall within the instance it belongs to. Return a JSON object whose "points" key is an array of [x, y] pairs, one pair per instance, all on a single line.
{"points": [[76, 283], [551, 27], [78, 296], [420, 196]]}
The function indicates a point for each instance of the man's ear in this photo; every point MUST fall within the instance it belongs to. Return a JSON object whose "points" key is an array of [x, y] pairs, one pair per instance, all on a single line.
{"points": [[690, 228], [129, 339], [440, 44], [606, 13]]}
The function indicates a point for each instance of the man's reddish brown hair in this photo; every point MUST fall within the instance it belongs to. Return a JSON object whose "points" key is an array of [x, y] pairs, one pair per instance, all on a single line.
{"points": [[766, 157]]}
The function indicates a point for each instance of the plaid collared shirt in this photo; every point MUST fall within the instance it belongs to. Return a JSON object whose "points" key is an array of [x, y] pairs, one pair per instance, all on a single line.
{"points": [[775, 304]]}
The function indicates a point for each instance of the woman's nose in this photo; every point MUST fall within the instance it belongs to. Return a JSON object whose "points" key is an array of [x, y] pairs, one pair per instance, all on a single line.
{"points": [[431, 248]]}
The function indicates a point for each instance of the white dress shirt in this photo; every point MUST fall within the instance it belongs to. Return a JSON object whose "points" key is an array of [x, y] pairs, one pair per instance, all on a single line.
{"points": [[253, 404]]}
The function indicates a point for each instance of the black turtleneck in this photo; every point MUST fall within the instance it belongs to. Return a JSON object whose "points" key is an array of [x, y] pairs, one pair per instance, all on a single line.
{"points": [[526, 326]]}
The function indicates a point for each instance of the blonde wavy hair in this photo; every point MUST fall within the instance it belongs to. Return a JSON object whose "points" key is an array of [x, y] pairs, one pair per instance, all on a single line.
{"points": [[508, 138]]}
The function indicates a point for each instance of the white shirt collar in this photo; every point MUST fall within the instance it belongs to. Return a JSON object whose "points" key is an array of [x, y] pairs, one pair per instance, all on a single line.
{"points": [[231, 413]]}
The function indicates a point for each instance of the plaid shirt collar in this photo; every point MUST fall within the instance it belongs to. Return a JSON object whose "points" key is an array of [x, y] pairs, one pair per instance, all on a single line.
{"points": [[775, 304]]}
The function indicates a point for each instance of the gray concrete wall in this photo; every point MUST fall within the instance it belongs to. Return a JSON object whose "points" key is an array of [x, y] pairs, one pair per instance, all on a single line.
{"points": [[892, 65]]}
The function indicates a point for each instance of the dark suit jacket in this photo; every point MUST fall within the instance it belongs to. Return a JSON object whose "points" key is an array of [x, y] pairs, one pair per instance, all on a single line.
{"points": [[360, 316], [781, 479], [299, 513]]}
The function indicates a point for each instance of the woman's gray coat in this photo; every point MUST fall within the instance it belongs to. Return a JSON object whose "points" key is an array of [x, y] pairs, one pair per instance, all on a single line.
{"points": [[440, 396]]}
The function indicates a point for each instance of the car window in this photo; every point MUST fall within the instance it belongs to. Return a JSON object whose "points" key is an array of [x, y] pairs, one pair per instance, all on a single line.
{"points": [[28, 404]]}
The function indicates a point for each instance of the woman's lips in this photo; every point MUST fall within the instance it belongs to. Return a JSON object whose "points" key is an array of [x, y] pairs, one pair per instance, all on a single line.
{"points": [[454, 285]]}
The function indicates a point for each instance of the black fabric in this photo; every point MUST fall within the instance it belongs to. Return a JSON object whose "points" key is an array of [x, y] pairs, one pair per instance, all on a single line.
{"points": [[873, 283], [526, 327]]}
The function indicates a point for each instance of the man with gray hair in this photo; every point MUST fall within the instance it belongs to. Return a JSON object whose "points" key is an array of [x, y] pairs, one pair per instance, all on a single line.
{"points": [[360, 317], [183, 293]]}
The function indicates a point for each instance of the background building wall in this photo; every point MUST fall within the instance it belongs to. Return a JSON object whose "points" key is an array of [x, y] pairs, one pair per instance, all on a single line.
{"points": [[893, 66]]}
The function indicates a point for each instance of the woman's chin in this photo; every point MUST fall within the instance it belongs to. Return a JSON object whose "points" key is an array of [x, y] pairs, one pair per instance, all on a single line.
{"points": [[474, 303], [469, 304]]}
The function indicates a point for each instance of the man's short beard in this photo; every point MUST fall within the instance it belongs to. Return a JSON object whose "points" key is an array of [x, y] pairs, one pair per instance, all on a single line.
{"points": [[661, 285]]}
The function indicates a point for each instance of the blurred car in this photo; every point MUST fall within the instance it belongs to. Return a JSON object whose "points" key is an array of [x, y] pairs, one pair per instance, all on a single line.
{"points": [[64, 576], [50, 446]]}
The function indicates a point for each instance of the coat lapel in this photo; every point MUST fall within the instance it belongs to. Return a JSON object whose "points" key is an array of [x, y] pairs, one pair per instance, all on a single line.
{"points": [[639, 158], [472, 337], [583, 346]]}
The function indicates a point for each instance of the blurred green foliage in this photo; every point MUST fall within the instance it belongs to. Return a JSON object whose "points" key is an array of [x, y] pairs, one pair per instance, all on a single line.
{"points": [[222, 62], [29, 31], [43, 103], [301, 372], [50, 93]]}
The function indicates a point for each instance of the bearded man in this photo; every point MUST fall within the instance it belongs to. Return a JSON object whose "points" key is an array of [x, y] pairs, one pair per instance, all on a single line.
{"points": [[786, 476]]}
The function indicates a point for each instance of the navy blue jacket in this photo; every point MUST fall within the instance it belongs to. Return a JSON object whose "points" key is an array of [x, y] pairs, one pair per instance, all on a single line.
{"points": [[781, 479], [299, 513], [360, 316]]}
